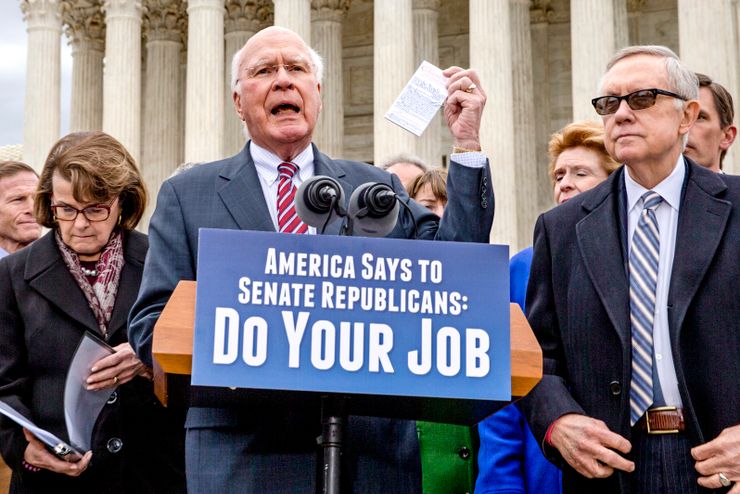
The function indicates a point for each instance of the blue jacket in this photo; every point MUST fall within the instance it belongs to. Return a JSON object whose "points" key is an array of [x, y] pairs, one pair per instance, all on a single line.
{"points": [[509, 459]]}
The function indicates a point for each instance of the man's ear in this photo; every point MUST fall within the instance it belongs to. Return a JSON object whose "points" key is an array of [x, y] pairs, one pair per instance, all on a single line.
{"points": [[690, 113], [237, 98], [728, 137]]}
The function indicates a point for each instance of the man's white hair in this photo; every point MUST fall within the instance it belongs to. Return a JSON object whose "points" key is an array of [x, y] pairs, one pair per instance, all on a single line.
{"points": [[316, 61]]}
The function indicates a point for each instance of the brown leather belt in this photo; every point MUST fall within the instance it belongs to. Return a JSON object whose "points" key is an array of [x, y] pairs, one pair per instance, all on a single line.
{"points": [[662, 420]]}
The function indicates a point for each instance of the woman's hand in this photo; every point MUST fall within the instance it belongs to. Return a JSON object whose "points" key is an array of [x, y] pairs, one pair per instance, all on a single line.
{"points": [[116, 369], [36, 455]]}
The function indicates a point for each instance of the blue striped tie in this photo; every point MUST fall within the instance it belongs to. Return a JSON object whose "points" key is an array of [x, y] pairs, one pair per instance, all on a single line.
{"points": [[644, 258]]}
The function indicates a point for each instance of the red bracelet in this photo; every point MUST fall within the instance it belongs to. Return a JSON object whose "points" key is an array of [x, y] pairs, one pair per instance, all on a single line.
{"points": [[548, 440], [30, 467]]}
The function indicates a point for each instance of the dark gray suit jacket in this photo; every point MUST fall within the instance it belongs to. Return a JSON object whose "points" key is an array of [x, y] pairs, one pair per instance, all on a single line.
{"points": [[578, 306], [227, 194]]}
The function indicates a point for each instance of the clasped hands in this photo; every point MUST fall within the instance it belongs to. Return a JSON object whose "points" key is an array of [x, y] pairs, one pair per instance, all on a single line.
{"points": [[593, 450]]}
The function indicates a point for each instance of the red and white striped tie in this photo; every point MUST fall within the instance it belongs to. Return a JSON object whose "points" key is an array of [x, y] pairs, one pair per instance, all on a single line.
{"points": [[288, 220]]}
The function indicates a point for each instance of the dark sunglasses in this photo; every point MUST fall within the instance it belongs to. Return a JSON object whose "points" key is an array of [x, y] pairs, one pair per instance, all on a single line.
{"points": [[639, 100]]}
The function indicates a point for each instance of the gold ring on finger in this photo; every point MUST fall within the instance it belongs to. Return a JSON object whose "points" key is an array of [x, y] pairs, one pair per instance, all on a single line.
{"points": [[115, 380]]}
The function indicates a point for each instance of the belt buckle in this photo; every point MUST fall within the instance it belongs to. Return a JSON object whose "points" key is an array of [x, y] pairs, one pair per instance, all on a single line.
{"points": [[659, 409]]}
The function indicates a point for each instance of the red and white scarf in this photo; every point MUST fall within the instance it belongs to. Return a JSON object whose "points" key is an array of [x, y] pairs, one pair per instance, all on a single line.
{"points": [[101, 295]]}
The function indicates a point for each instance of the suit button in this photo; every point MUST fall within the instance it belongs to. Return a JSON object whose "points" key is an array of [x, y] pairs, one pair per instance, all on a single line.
{"points": [[615, 387], [114, 445], [464, 453], [113, 398]]}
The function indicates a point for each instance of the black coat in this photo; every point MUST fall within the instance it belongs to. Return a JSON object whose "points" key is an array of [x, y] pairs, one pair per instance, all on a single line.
{"points": [[578, 306], [43, 316]]}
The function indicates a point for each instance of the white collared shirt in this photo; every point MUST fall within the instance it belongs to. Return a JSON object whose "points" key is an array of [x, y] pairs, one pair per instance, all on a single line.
{"points": [[667, 215], [267, 164]]}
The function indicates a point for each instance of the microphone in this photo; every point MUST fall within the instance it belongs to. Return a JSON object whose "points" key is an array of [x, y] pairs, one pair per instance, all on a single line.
{"points": [[317, 198], [373, 208]]}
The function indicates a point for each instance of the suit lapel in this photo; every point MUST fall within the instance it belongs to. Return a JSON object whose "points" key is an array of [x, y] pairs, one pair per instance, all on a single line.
{"points": [[242, 195], [600, 243], [48, 275], [701, 226], [325, 166]]}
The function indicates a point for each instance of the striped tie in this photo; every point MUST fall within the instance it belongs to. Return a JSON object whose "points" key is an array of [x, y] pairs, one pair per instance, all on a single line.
{"points": [[644, 258], [288, 220]]}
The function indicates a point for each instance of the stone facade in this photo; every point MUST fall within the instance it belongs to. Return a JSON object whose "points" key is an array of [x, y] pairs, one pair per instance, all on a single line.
{"points": [[178, 106]]}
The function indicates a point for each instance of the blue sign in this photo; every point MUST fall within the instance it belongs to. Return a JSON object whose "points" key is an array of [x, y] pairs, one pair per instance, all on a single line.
{"points": [[352, 315]]}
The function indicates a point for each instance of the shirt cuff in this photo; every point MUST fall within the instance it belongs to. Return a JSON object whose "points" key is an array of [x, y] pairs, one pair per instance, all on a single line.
{"points": [[473, 159]]}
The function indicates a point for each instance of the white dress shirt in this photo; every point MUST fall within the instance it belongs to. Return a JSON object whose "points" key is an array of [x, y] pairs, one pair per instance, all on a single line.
{"points": [[267, 164], [667, 215]]}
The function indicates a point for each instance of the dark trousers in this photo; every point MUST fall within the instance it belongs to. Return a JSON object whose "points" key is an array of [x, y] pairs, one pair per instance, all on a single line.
{"points": [[663, 464]]}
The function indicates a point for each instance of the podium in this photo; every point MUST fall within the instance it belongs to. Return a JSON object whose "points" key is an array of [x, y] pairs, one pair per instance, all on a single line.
{"points": [[172, 349]]}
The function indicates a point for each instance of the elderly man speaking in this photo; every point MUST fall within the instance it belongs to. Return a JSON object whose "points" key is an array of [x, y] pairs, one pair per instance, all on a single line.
{"points": [[276, 91], [633, 299]]}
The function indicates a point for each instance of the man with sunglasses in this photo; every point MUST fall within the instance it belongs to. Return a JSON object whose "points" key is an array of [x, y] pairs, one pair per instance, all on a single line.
{"points": [[631, 299]]}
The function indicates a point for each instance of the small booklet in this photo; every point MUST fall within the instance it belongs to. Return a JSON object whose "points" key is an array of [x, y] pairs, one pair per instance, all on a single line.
{"points": [[81, 407], [420, 99]]}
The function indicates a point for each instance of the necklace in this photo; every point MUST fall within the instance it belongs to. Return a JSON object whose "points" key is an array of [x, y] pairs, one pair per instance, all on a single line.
{"points": [[90, 273]]}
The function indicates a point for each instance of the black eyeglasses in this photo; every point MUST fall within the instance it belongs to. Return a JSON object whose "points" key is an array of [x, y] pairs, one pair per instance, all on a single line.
{"points": [[93, 213], [639, 100]]}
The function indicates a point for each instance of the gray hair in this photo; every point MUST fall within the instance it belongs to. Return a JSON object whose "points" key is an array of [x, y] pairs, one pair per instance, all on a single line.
{"points": [[316, 61], [682, 80], [405, 158]]}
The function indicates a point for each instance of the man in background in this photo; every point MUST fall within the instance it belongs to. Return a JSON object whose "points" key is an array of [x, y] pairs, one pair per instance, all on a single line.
{"points": [[405, 167], [18, 227], [713, 132]]}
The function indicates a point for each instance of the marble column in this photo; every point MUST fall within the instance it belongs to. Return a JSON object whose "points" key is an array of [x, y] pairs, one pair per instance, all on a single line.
{"points": [[490, 54], [393, 65], [540, 14], [122, 74], [42, 110], [85, 27], [525, 157], [243, 18], [426, 47], [714, 55], [634, 12], [204, 111], [326, 33], [295, 15], [592, 43], [162, 24], [621, 25]]}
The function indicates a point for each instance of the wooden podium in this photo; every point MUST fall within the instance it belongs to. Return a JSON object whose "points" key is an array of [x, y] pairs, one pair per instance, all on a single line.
{"points": [[172, 349]]}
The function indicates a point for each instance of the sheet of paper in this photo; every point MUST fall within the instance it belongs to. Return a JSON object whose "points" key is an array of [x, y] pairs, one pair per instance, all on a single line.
{"points": [[82, 407], [59, 447], [420, 99]]}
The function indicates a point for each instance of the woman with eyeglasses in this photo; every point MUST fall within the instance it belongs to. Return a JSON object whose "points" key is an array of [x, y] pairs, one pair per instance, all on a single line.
{"points": [[82, 276]]}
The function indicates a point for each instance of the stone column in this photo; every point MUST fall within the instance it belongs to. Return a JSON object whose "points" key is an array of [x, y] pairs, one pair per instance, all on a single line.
{"points": [[42, 109], [426, 47], [634, 12], [122, 74], [162, 25], [85, 28], [204, 112], [393, 65], [243, 18], [592, 43], [295, 15], [706, 39], [527, 167], [621, 25], [326, 32], [540, 14], [490, 55]]}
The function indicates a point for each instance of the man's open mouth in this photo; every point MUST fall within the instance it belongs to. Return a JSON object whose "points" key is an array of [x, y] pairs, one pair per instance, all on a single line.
{"points": [[286, 107]]}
